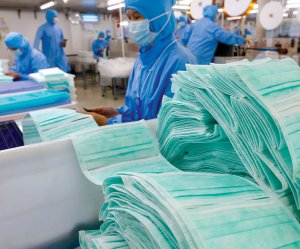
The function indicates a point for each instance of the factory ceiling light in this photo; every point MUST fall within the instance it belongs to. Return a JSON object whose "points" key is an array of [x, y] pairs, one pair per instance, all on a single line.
{"points": [[47, 5]]}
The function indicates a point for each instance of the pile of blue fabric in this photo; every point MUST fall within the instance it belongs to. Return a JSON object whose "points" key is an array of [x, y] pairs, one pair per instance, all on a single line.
{"points": [[20, 86], [32, 101]]}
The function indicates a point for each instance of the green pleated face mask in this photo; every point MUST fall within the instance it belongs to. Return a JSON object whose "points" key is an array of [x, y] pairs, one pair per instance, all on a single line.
{"points": [[106, 151], [176, 210], [236, 128], [53, 124], [255, 105]]}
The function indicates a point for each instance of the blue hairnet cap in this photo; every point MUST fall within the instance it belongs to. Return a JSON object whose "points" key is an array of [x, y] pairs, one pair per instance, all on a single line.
{"points": [[16, 40], [210, 11], [50, 14], [183, 19], [107, 31], [153, 8], [101, 34]]}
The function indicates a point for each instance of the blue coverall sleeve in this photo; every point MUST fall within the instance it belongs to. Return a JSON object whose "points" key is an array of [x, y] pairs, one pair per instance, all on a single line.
{"points": [[226, 37], [38, 37], [118, 118], [22, 76], [94, 47], [38, 63], [62, 37], [186, 36]]}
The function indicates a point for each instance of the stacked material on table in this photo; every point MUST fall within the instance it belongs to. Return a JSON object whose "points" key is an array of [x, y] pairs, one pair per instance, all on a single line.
{"points": [[105, 151], [32, 101], [236, 127], [56, 79], [116, 68], [10, 135], [5, 79], [191, 139], [190, 210], [257, 104], [20, 86], [53, 124], [3, 69]]}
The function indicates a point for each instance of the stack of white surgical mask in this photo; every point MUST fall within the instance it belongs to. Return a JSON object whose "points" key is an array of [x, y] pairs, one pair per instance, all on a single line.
{"points": [[56, 79], [53, 124]]}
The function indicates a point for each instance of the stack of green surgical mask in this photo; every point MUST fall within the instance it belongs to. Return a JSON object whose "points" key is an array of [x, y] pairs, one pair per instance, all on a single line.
{"points": [[191, 139], [239, 120], [257, 105], [106, 151], [53, 124], [190, 210], [56, 79]]}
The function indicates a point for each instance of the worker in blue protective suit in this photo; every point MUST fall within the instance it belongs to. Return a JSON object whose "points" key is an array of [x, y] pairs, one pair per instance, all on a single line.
{"points": [[108, 39], [53, 42], [108, 35], [27, 59], [152, 25], [182, 29], [204, 35], [99, 46]]}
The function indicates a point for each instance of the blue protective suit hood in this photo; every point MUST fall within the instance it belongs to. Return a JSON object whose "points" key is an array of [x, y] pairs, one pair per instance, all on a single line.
{"points": [[17, 40], [153, 8], [183, 19], [101, 35], [210, 11], [50, 14]]}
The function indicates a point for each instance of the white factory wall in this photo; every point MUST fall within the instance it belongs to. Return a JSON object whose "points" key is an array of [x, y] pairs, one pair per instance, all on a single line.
{"points": [[79, 37]]}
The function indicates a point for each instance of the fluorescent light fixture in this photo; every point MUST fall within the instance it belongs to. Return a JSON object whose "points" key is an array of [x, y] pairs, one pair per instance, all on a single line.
{"points": [[114, 2], [220, 10], [118, 6], [47, 5], [234, 18], [293, 1], [253, 11], [65, 1], [292, 6], [295, 12], [185, 2], [124, 23], [181, 7], [90, 18], [285, 14]]}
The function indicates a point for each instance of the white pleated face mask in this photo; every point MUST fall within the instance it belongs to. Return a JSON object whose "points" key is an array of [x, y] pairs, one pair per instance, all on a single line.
{"points": [[140, 32]]}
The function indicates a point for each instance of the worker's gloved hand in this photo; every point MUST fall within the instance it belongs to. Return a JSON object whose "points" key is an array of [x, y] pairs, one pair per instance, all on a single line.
{"points": [[14, 75], [108, 112], [100, 119]]}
